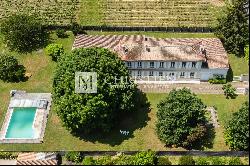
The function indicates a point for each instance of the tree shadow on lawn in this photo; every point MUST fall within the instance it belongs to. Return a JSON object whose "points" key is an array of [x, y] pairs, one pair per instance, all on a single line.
{"points": [[128, 122], [207, 141]]}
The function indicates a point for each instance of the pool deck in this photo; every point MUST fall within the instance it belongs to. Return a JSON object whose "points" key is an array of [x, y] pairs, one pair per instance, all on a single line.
{"points": [[39, 123]]}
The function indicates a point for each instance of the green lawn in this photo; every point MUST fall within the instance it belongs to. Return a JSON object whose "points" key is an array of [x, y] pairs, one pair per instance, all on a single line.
{"points": [[141, 124]]}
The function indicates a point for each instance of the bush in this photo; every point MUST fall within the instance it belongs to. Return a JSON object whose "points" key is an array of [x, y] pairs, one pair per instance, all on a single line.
{"points": [[88, 160], [75, 157], [61, 33], [144, 158], [8, 155], [181, 119], [218, 161], [163, 161], [83, 113], [235, 161], [186, 160], [202, 161], [217, 80], [10, 70], [55, 51], [229, 91], [23, 33], [237, 129], [104, 160]]}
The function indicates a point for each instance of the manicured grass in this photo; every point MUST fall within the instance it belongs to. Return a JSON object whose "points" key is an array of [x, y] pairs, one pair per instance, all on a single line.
{"points": [[238, 65], [141, 126], [156, 34]]}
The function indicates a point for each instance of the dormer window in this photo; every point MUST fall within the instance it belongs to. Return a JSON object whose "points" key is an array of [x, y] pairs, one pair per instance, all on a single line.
{"points": [[146, 39], [125, 50]]}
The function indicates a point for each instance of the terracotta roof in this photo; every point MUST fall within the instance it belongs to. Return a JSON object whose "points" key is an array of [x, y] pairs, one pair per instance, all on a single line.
{"points": [[31, 159], [139, 47]]}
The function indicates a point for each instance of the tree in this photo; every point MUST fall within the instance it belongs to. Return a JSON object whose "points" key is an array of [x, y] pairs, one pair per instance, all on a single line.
{"points": [[181, 119], [186, 160], [237, 129], [77, 29], [55, 51], [23, 33], [229, 91], [10, 70], [233, 28], [86, 112]]}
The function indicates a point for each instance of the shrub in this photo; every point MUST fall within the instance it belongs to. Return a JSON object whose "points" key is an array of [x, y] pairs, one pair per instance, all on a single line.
{"points": [[202, 161], [237, 129], [229, 91], [144, 158], [181, 118], [10, 70], [104, 160], [217, 79], [235, 161], [163, 161], [76, 157], [8, 155], [88, 160], [61, 33], [55, 51], [218, 161], [24, 33], [186, 160], [83, 113]]}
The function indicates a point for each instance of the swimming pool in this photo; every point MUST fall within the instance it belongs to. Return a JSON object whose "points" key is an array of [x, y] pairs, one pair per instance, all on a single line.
{"points": [[20, 125]]}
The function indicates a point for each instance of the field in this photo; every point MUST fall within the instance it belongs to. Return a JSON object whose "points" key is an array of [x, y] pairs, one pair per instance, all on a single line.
{"points": [[141, 124], [59, 12], [166, 13]]}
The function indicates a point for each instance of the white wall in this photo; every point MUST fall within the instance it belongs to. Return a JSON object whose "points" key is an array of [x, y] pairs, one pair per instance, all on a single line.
{"points": [[206, 74]]}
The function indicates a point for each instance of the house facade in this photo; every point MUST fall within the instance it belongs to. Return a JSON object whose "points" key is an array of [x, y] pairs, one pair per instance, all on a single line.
{"points": [[156, 59]]}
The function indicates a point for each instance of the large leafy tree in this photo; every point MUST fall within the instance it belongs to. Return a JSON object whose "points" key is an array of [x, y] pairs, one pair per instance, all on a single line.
{"points": [[237, 129], [86, 112], [181, 119], [10, 70], [233, 28], [23, 33]]}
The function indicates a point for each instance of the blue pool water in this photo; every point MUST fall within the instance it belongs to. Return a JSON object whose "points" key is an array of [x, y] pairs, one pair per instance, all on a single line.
{"points": [[20, 125]]}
